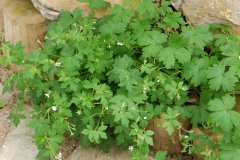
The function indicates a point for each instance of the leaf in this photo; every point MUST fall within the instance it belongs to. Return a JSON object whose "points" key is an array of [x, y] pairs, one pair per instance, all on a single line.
{"points": [[4, 61], [113, 27], [197, 37], [150, 11], [230, 151], [123, 74], [165, 8], [95, 135], [221, 114], [235, 67], [152, 37], [169, 127], [121, 14], [97, 4], [231, 51], [173, 20], [221, 79], [2, 104], [196, 71], [199, 115], [227, 103], [161, 155], [16, 118], [169, 56], [171, 117]]}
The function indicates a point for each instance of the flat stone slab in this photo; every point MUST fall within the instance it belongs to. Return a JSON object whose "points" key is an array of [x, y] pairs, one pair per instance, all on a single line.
{"points": [[96, 154], [19, 144]]}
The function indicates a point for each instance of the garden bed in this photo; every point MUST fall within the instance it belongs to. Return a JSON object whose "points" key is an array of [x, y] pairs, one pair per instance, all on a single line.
{"points": [[105, 80]]}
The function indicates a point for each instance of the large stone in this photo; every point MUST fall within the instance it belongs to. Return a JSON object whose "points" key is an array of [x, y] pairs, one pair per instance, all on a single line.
{"points": [[22, 22], [93, 153], [50, 8], [162, 141], [211, 11], [19, 144]]}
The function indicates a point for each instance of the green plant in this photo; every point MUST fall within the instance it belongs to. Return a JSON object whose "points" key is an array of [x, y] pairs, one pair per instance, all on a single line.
{"points": [[104, 79]]}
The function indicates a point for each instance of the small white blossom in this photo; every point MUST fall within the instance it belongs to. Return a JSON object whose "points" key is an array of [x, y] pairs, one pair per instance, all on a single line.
{"points": [[109, 46], [158, 81], [57, 64], [54, 108], [119, 43], [239, 57], [79, 112], [23, 61], [130, 148], [186, 136], [145, 118], [93, 28], [59, 156], [48, 94]]}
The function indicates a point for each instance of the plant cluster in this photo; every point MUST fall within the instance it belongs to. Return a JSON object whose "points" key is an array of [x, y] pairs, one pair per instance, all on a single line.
{"points": [[104, 79]]}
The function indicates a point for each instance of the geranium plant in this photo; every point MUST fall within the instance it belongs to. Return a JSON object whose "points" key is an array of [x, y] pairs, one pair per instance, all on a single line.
{"points": [[103, 79]]}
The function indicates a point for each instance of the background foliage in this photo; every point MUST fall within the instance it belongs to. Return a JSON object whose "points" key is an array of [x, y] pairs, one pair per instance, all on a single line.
{"points": [[104, 79]]}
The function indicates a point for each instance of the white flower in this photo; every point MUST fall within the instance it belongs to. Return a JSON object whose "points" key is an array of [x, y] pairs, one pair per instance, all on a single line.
{"points": [[79, 112], [109, 46], [186, 136], [119, 43], [57, 64], [93, 28], [23, 61], [48, 94], [130, 148], [54, 108], [158, 81], [239, 57], [145, 118], [59, 156]]}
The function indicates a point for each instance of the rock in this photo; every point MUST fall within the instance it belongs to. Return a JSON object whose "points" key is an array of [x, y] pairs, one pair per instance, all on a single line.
{"points": [[22, 22], [19, 144], [50, 9], [93, 153], [162, 141], [210, 11]]}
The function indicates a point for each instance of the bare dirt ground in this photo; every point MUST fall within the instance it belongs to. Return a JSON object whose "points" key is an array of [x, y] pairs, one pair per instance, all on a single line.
{"points": [[5, 124]]}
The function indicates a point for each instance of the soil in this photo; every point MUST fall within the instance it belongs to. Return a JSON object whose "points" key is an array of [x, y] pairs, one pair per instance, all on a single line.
{"points": [[68, 146], [5, 124]]}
